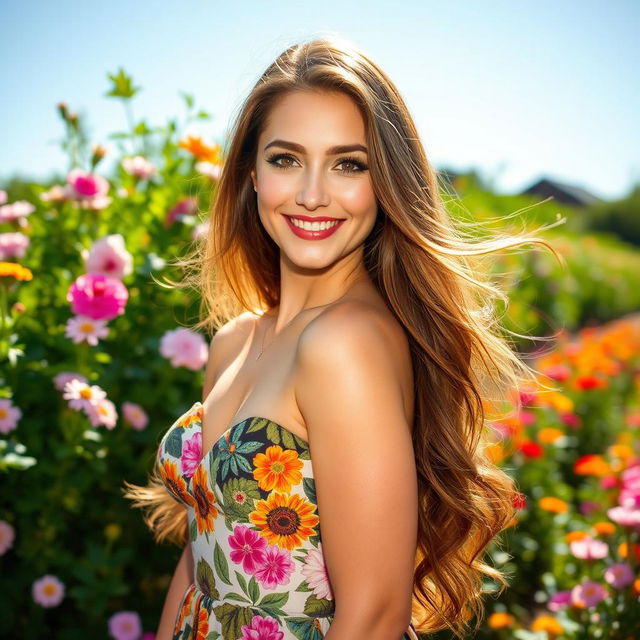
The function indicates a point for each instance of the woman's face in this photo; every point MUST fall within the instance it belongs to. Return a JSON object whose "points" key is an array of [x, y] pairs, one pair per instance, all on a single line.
{"points": [[312, 170]]}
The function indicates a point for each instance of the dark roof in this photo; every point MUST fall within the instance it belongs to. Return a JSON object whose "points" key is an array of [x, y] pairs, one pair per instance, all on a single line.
{"points": [[562, 192]]}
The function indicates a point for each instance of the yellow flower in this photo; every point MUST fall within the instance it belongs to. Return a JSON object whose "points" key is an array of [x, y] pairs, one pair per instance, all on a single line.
{"points": [[554, 505], [285, 519], [500, 621], [276, 469], [174, 481], [495, 452], [206, 511], [14, 270]]}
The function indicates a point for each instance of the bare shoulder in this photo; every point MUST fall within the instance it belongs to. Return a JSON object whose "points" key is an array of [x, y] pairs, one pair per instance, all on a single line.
{"points": [[225, 344], [358, 334]]}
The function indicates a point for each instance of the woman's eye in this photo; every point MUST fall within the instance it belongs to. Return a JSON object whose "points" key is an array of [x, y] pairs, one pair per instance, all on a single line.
{"points": [[284, 161]]}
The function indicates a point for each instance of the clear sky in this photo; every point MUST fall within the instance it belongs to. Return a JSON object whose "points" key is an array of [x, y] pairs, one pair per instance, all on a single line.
{"points": [[516, 90]]}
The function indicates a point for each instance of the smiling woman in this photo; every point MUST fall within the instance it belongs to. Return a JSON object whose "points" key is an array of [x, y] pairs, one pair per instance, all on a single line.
{"points": [[362, 506]]}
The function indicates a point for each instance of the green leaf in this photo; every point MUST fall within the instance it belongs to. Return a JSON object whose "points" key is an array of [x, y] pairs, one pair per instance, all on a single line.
{"points": [[254, 591], [220, 564], [122, 86], [193, 532], [309, 487], [173, 443], [206, 579], [242, 582]]}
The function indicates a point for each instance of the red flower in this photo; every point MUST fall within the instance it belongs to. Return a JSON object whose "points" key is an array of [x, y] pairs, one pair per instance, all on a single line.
{"points": [[519, 500], [531, 449]]}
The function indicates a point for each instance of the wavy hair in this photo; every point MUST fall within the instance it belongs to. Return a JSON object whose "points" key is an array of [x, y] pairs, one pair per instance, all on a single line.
{"points": [[434, 273]]}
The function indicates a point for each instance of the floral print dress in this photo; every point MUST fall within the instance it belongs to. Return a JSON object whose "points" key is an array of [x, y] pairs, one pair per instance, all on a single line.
{"points": [[255, 533]]}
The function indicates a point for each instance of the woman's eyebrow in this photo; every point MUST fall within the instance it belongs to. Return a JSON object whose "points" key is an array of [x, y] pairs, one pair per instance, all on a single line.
{"points": [[332, 151]]}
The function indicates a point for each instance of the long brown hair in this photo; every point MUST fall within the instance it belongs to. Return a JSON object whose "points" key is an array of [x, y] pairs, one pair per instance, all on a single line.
{"points": [[434, 274]]}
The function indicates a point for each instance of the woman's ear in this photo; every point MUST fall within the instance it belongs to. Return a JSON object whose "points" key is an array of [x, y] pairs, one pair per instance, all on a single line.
{"points": [[253, 179]]}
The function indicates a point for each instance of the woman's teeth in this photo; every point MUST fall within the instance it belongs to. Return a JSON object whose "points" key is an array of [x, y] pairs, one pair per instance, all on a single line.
{"points": [[314, 226]]}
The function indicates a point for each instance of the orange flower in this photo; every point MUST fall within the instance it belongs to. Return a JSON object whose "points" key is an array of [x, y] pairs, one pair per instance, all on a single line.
{"points": [[201, 624], [591, 465], [175, 482], [495, 452], [206, 511], [554, 505], [548, 624], [186, 607], [195, 146], [549, 435], [623, 551], [276, 469], [558, 401], [285, 519], [190, 417], [622, 451], [604, 528], [572, 536], [500, 621], [14, 270]]}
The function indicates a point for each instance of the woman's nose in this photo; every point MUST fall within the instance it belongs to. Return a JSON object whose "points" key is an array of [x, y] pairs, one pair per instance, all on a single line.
{"points": [[313, 193]]}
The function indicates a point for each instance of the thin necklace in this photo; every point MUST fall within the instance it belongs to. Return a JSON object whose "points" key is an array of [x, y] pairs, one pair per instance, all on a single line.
{"points": [[262, 347]]}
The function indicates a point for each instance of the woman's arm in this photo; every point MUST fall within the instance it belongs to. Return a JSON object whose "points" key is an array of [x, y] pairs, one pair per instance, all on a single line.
{"points": [[182, 578], [349, 391]]}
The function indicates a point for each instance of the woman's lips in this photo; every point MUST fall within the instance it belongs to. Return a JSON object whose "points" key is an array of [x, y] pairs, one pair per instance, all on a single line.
{"points": [[312, 235]]}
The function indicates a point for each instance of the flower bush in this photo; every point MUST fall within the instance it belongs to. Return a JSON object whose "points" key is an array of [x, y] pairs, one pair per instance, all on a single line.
{"points": [[98, 360]]}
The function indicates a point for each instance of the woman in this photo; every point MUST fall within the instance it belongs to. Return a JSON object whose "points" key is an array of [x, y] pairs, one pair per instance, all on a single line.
{"points": [[356, 341]]}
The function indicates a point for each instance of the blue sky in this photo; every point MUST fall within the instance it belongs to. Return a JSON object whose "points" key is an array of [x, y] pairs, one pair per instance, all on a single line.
{"points": [[516, 90]]}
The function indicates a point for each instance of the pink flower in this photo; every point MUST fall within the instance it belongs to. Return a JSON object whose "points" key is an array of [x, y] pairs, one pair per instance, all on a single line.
{"points": [[7, 536], [13, 245], [559, 372], [247, 547], [619, 575], [628, 515], [9, 416], [315, 572], [191, 454], [527, 417], [66, 376], [84, 328], [81, 395], [109, 257], [588, 594], [97, 296], [3, 196], [589, 549], [559, 600], [16, 211], [184, 348], [570, 419], [262, 628], [185, 207], [125, 625], [527, 396], [85, 185], [47, 591], [135, 415], [102, 413], [138, 166], [276, 568]]}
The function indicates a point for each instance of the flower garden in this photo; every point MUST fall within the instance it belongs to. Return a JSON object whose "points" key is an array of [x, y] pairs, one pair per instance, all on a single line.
{"points": [[98, 359]]}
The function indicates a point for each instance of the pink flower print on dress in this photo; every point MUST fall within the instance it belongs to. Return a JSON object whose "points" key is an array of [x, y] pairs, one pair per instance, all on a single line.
{"points": [[191, 454], [262, 628], [247, 548], [315, 571], [276, 569]]}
